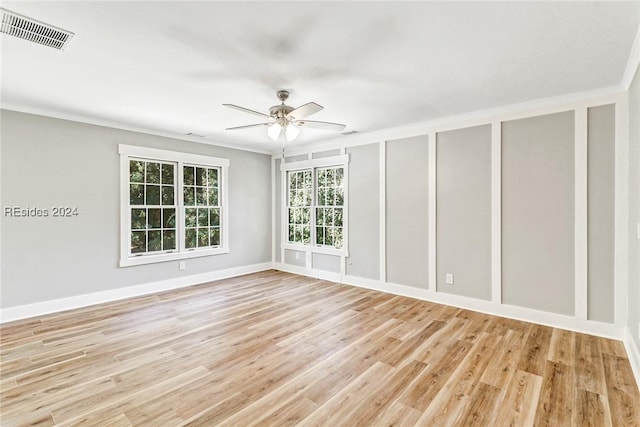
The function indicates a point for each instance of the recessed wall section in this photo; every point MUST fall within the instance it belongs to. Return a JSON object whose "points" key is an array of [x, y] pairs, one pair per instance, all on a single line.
{"points": [[463, 219], [538, 213], [406, 211], [600, 214], [364, 212]]}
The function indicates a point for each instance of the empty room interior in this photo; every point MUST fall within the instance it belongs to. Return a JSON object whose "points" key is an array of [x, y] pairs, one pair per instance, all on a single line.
{"points": [[320, 213]]}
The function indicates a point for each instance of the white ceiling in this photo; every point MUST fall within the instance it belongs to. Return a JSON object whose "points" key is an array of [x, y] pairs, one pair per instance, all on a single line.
{"points": [[166, 67]]}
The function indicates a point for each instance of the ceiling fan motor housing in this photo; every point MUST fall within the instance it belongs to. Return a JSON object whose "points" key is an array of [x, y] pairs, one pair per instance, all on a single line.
{"points": [[280, 111]]}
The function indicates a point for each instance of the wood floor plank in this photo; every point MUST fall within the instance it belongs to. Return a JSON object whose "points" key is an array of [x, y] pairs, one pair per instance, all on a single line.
{"points": [[534, 356], [591, 410], [279, 349], [555, 406], [589, 370], [521, 400], [622, 391]]}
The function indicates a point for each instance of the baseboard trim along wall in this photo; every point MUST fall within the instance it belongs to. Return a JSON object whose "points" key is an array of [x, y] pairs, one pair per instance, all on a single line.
{"points": [[488, 307], [53, 306], [633, 353]]}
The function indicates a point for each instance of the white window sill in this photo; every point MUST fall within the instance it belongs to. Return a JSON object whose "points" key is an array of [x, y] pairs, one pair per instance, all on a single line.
{"points": [[173, 256]]}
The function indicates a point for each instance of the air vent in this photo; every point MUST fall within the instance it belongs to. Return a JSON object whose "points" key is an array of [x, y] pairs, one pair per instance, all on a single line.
{"points": [[35, 31]]}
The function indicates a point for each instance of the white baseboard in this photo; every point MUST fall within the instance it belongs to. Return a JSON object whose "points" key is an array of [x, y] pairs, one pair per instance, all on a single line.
{"points": [[555, 320], [633, 353], [53, 306]]}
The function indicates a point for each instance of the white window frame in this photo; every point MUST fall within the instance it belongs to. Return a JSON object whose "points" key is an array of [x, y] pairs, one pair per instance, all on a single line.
{"points": [[132, 152], [313, 164]]}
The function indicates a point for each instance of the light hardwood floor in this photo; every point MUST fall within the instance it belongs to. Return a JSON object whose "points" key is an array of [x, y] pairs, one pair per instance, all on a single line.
{"points": [[278, 349]]}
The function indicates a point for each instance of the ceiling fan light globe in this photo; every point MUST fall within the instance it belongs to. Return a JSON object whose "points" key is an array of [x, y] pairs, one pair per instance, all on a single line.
{"points": [[273, 131], [291, 131]]}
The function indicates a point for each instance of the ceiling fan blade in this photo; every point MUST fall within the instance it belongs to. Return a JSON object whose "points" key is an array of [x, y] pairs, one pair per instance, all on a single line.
{"points": [[249, 126], [305, 111], [321, 125], [246, 110]]}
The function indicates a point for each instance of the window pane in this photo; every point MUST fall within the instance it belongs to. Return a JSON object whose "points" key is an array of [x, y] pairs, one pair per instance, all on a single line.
{"points": [[306, 216], [136, 194], [297, 232], [214, 217], [339, 177], [136, 171], [330, 197], [167, 195], [167, 174], [203, 237], [320, 235], [331, 180], [213, 197], [339, 197], [188, 175], [190, 217], [153, 173], [168, 240], [200, 196], [321, 196], [190, 238], [138, 242], [319, 216], [322, 179], [214, 236], [337, 217], [306, 234], [201, 176], [203, 217], [169, 218], [189, 196], [155, 240], [291, 233], [328, 236], [328, 216], [212, 175], [153, 195], [337, 237], [154, 219], [138, 219]]}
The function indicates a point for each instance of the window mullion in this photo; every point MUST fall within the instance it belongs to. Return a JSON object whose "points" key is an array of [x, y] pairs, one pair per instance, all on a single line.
{"points": [[180, 212]]}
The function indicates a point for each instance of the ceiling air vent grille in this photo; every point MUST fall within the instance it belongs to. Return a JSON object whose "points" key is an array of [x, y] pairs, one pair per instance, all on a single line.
{"points": [[34, 31]]}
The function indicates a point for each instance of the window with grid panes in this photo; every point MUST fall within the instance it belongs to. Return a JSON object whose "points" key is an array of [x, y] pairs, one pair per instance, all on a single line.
{"points": [[172, 205], [315, 206], [201, 191], [152, 206], [329, 206]]}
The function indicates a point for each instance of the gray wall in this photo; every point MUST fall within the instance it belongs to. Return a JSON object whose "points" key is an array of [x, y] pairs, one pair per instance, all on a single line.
{"points": [[600, 213], [538, 212], [463, 211], [292, 257], [407, 174], [326, 262], [634, 209], [49, 162], [364, 212]]}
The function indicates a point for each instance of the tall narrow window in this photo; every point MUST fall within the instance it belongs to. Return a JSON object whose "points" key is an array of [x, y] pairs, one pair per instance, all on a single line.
{"points": [[152, 206], [173, 205], [330, 207], [202, 206], [299, 206]]}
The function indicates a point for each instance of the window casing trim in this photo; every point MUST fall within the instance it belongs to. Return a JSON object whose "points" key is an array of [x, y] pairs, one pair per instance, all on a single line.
{"points": [[313, 164], [129, 152]]}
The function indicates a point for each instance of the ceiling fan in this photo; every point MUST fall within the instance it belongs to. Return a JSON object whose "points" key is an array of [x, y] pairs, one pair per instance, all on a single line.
{"points": [[284, 122]]}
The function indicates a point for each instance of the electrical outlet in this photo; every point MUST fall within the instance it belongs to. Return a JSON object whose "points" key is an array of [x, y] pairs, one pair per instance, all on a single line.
{"points": [[449, 279], [297, 255], [182, 265]]}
